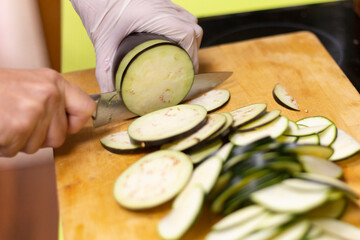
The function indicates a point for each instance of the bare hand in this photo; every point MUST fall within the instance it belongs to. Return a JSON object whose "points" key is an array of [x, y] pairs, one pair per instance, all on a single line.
{"points": [[38, 108]]}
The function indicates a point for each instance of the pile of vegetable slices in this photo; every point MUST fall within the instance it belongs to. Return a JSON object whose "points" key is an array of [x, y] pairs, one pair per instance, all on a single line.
{"points": [[268, 176]]}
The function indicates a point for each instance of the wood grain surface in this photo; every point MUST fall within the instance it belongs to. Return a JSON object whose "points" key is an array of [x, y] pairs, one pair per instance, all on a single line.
{"points": [[86, 172]]}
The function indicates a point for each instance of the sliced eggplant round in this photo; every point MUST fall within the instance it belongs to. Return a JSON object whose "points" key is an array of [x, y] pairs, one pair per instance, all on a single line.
{"points": [[247, 114], [167, 124], [283, 98], [225, 130], [154, 74], [200, 154], [214, 123], [265, 119], [153, 180], [212, 100], [119, 142]]}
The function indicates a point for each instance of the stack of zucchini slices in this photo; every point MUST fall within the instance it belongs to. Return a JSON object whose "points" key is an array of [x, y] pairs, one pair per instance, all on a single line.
{"points": [[268, 177]]}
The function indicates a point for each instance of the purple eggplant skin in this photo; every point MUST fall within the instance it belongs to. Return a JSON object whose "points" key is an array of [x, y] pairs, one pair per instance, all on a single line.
{"points": [[160, 142], [282, 103], [130, 42]]}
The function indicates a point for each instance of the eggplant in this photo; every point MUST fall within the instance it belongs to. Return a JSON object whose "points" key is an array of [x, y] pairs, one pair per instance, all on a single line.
{"points": [[151, 72]]}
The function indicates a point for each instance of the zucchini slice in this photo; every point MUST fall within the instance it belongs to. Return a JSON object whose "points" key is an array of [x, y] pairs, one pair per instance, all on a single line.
{"points": [[239, 216], [167, 124], [204, 175], [275, 220], [180, 219], [320, 166], [344, 146], [338, 228], [119, 142], [331, 209], [273, 129], [309, 149], [152, 75], [268, 117], [281, 198], [214, 123], [310, 139], [225, 151], [239, 231], [153, 180], [212, 100], [306, 131], [262, 234], [314, 121], [329, 181], [283, 98], [198, 155], [296, 231], [327, 137], [247, 114]]}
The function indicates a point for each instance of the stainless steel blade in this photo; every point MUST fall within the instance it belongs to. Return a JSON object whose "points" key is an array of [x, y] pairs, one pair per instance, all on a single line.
{"points": [[204, 82], [111, 108]]}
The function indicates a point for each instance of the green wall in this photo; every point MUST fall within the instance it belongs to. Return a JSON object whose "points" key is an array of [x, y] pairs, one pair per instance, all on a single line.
{"points": [[77, 52]]}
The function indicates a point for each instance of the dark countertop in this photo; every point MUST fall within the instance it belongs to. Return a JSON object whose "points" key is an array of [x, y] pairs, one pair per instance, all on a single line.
{"points": [[335, 24]]}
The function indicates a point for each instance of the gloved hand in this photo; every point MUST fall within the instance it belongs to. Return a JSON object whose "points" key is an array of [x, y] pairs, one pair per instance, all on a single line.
{"points": [[109, 21]]}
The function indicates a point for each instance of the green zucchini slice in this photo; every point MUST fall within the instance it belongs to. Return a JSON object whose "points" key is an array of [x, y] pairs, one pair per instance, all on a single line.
{"points": [[296, 231], [276, 198], [239, 216], [331, 209], [153, 180], [204, 175], [239, 231], [320, 166], [167, 124], [329, 181], [183, 216], [344, 146], [212, 100], [338, 228], [273, 129]]}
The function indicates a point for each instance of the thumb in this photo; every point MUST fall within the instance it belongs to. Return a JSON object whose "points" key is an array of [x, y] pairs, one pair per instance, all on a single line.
{"points": [[78, 105]]}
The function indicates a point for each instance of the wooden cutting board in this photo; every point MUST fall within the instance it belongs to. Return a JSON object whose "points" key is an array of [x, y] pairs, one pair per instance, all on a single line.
{"points": [[86, 172]]}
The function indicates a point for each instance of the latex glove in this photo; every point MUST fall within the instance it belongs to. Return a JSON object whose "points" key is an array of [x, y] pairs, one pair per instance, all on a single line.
{"points": [[108, 21], [38, 108]]}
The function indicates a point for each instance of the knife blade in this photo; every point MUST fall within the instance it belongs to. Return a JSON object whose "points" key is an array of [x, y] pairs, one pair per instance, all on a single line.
{"points": [[111, 108]]}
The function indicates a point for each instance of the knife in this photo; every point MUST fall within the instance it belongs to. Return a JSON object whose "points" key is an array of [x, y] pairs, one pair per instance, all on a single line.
{"points": [[111, 108]]}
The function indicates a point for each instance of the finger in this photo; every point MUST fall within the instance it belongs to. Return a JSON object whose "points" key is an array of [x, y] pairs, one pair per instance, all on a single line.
{"points": [[38, 136], [79, 107]]}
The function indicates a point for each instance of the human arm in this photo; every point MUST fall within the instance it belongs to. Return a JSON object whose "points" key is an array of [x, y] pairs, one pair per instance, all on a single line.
{"points": [[38, 108], [108, 22]]}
